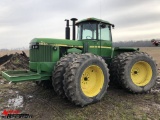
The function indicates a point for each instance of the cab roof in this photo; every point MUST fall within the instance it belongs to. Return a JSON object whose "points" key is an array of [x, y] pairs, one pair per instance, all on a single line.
{"points": [[93, 19]]}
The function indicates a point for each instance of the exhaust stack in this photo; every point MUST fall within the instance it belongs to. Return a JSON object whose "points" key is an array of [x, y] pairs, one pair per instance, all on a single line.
{"points": [[74, 27], [67, 30]]}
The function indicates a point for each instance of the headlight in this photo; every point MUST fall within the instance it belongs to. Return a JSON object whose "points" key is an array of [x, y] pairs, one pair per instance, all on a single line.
{"points": [[35, 46]]}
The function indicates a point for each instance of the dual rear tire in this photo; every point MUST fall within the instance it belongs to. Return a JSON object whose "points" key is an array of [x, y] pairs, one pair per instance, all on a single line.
{"points": [[134, 71]]}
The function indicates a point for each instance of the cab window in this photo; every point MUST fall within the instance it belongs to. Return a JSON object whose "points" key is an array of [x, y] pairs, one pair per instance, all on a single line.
{"points": [[94, 31], [104, 32], [87, 31]]}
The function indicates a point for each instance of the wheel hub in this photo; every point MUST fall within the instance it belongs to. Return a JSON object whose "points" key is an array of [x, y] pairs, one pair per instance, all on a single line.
{"points": [[85, 79], [141, 73], [92, 80], [135, 72]]}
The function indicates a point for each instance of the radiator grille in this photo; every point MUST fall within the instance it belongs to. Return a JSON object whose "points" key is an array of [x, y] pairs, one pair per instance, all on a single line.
{"points": [[42, 54]]}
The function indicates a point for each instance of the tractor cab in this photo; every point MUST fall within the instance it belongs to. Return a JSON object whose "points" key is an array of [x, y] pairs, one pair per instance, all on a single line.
{"points": [[94, 29], [96, 36]]}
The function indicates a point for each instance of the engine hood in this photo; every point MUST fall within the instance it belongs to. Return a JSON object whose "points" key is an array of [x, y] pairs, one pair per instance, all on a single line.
{"points": [[53, 41]]}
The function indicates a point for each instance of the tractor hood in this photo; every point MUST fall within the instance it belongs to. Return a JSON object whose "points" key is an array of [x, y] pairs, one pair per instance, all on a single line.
{"points": [[57, 42]]}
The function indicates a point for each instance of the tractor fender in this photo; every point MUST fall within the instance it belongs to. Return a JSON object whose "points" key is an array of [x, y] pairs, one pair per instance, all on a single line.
{"points": [[118, 50]]}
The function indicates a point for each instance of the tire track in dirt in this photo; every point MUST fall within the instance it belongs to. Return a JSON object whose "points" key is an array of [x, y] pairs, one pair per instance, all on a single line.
{"points": [[45, 96], [54, 108], [37, 93]]}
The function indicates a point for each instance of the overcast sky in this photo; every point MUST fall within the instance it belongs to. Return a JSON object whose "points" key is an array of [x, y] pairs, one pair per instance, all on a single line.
{"points": [[23, 20]]}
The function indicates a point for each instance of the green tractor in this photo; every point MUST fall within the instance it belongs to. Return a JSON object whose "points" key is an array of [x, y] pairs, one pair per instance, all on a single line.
{"points": [[80, 69]]}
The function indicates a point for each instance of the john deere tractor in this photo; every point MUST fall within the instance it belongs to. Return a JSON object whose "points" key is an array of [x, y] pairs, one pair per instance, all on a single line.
{"points": [[80, 69]]}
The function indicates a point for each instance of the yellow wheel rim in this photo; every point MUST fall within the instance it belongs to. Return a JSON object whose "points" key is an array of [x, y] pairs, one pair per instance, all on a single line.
{"points": [[141, 73], [92, 80]]}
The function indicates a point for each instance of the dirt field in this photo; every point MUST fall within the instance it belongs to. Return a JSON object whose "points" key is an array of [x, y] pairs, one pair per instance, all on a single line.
{"points": [[154, 52], [117, 104]]}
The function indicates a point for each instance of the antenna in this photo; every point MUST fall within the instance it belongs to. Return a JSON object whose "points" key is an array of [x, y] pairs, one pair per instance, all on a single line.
{"points": [[100, 8]]}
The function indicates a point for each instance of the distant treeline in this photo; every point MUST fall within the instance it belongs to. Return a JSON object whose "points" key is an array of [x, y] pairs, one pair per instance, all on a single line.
{"points": [[23, 48], [133, 44]]}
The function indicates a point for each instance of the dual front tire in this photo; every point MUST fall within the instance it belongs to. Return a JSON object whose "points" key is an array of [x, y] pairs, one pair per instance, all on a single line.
{"points": [[85, 79]]}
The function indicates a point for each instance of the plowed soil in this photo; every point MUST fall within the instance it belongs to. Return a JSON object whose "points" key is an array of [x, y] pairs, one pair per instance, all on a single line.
{"points": [[117, 104]]}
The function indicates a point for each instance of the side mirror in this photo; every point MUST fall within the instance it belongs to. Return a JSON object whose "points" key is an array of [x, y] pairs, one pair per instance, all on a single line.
{"points": [[113, 26]]}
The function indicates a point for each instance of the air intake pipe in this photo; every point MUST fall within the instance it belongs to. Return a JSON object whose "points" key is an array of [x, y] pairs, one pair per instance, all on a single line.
{"points": [[74, 27]]}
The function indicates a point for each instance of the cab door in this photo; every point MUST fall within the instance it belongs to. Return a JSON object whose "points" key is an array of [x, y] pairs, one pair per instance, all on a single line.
{"points": [[105, 40]]}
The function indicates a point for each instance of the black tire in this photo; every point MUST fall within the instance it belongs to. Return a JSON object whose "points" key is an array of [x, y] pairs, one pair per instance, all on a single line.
{"points": [[47, 84], [73, 79], [130, 70], [57, 75], [114, 69]]}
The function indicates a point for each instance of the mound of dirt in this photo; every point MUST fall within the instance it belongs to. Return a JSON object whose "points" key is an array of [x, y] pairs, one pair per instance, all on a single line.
{"points": [[14, 61], [5, 58]]}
